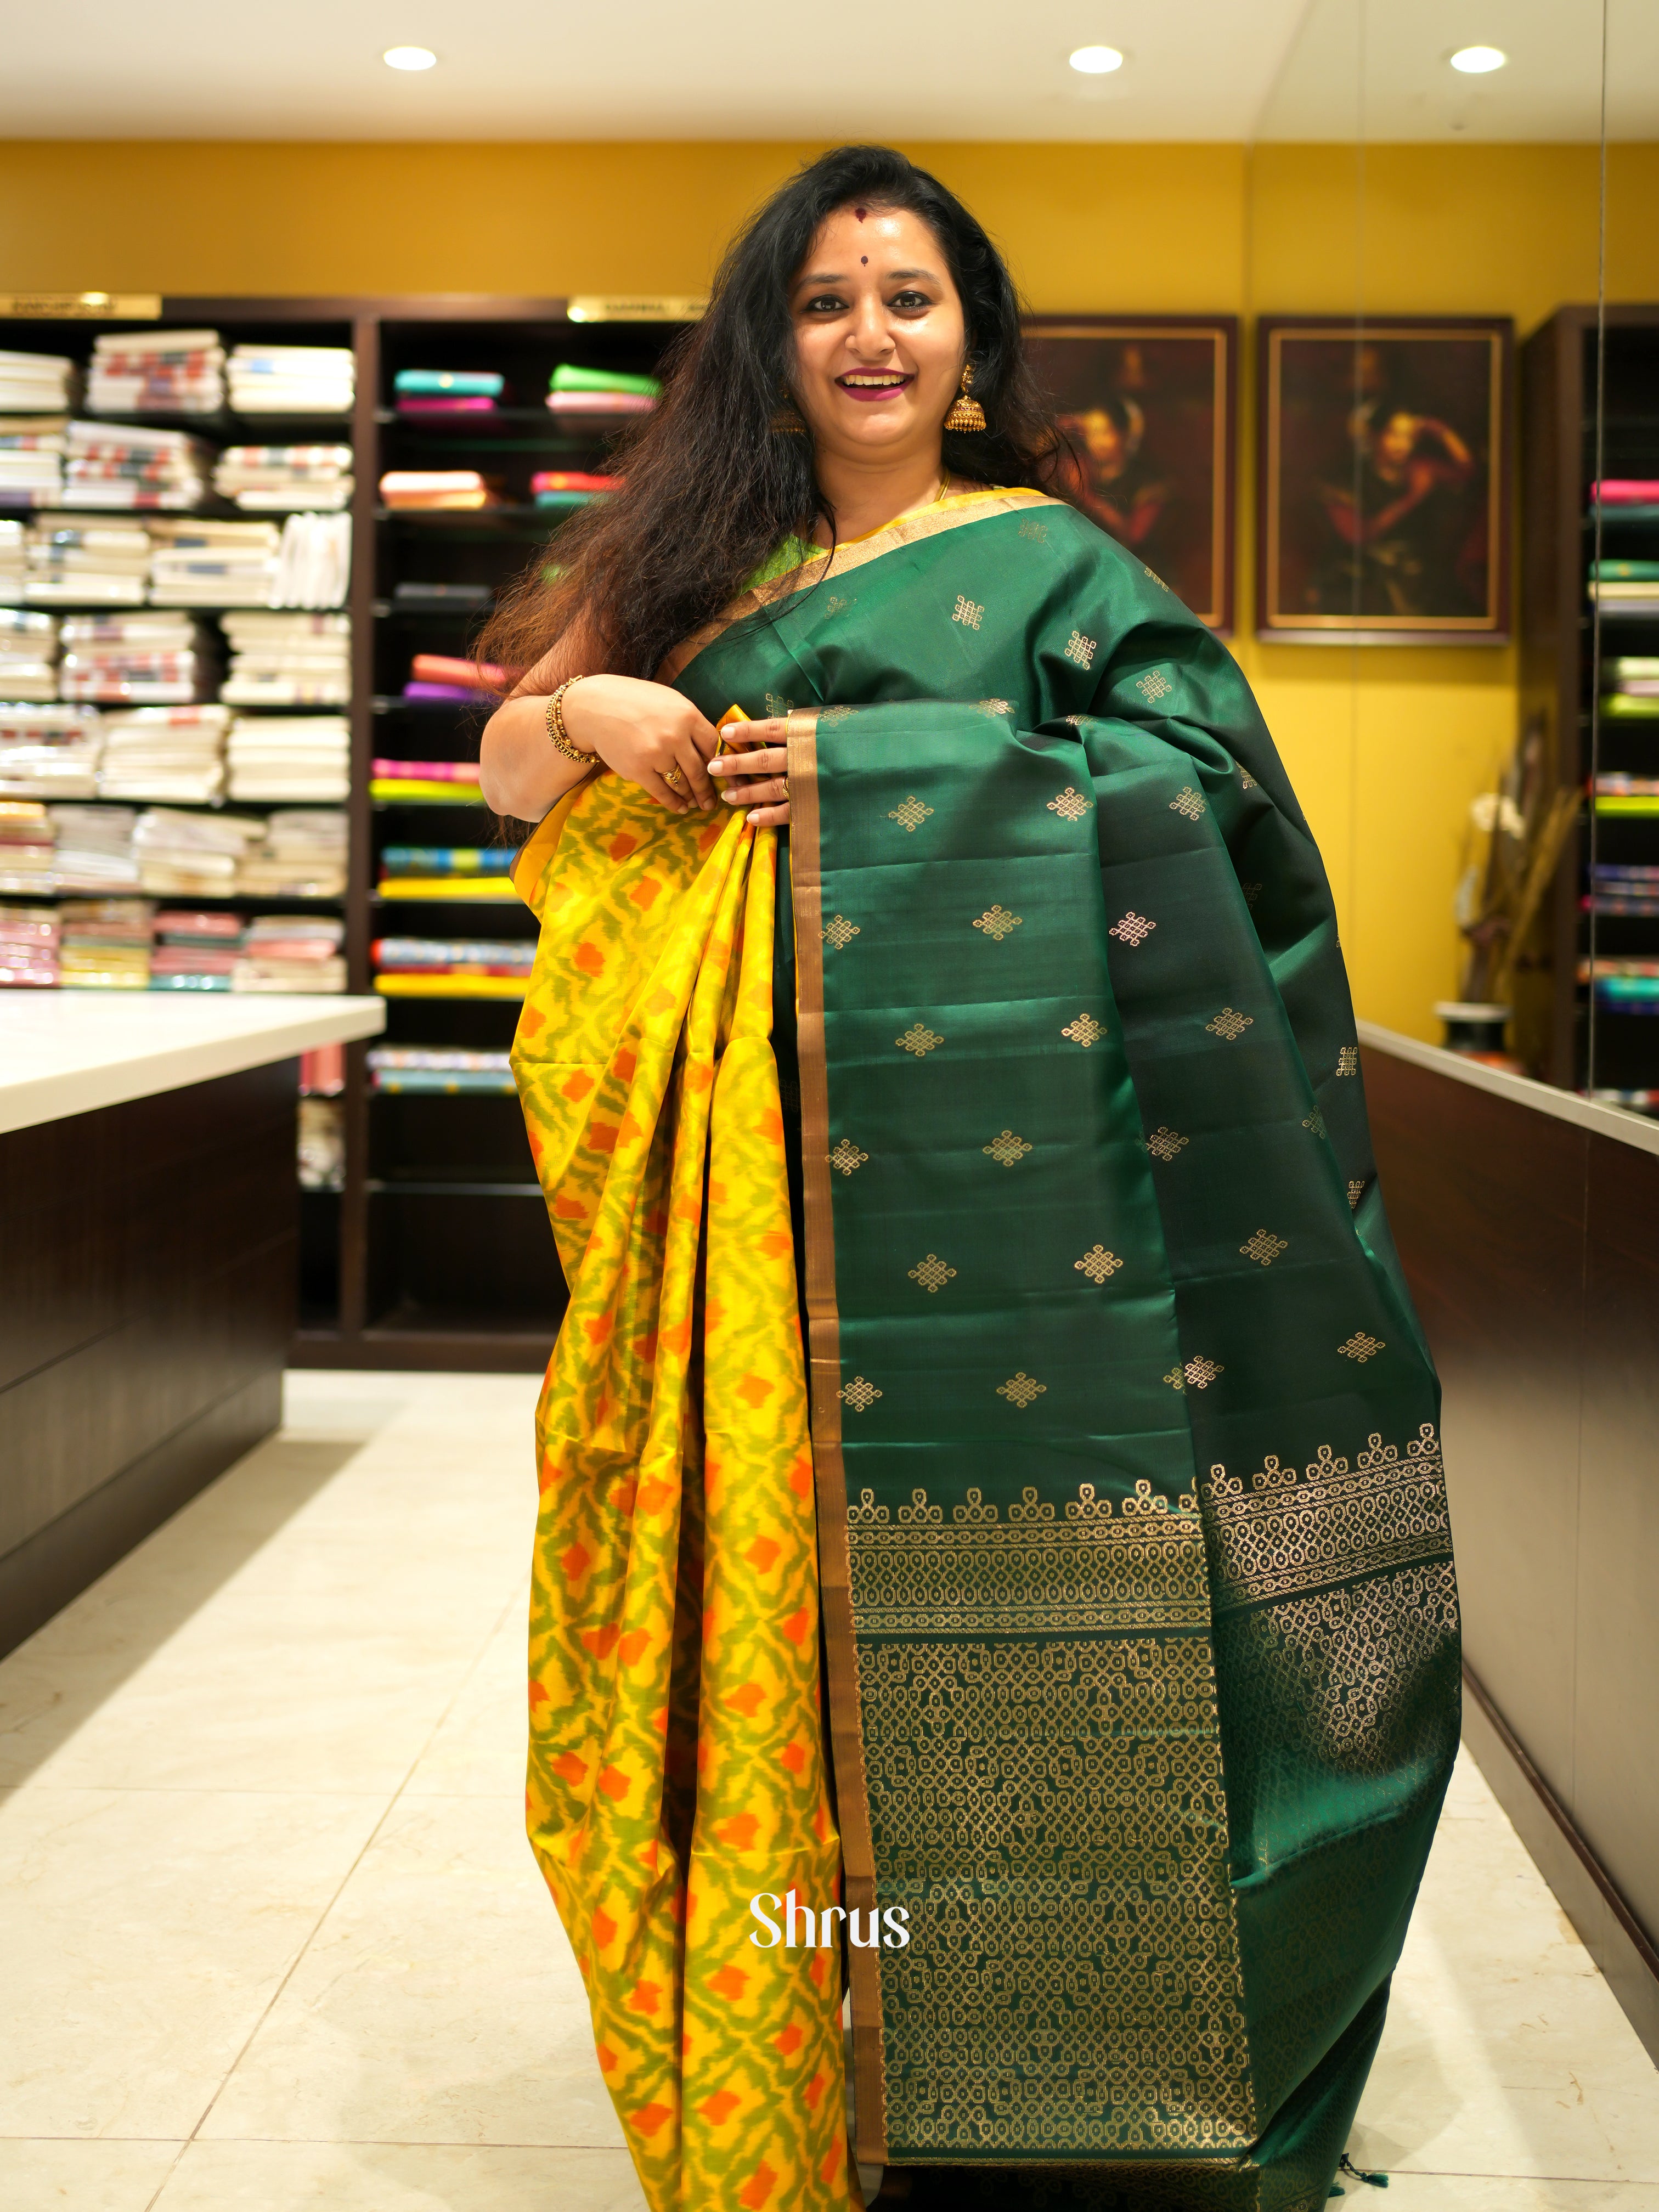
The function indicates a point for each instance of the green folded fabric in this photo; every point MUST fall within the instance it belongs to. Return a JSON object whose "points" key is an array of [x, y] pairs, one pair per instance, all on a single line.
{"points": [[1626, 572], [460, 383], [566, 377]]}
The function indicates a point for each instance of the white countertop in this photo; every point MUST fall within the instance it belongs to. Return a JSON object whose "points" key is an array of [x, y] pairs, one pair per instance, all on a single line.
{"points": [[70, 1052], [1624, 1127]]}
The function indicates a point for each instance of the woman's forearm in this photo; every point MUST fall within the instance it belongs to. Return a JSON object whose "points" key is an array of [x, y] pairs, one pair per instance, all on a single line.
{"points": [[521, 772]]}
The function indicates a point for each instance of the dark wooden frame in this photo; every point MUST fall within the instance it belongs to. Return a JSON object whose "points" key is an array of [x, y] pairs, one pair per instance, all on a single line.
{"points": [[1382, 629], [1223, 329]]}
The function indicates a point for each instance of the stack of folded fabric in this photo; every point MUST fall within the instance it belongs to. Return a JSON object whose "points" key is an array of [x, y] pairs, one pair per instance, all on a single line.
{"points": [[447, 872], [1623, 986], [287, 661], [1618, 586], [157, 373], [450, 783], [301, 855], [105, 944], [94, 848], [28, 948], [202, 563], [446, 391], [442, 678], [194, 951], [75, 563], [291, 380], [165, 752], [313, 563], [583, 391], [1617, 793], [1627, 496], [277, 477], [27, 847], [191, 855], [1623, 890], [321, 1162], [160, 659], [562, 490], [290, 756], [109, 468], [49, 752], [37, 383], [452, 968], [14, 561], [31, 461], [425, 490], [442, 598], [1630, 686], [28, 654], [428, 1068], [291, 952]]}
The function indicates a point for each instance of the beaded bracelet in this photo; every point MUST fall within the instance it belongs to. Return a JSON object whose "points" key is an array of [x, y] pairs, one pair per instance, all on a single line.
{"points": [[557, 733]]}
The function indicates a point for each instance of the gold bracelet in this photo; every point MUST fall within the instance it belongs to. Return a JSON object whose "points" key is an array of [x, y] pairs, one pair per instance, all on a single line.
{"points": [[557, 733]]}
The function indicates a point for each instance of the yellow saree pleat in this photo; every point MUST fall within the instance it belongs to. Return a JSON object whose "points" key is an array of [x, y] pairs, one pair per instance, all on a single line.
{"points": [[676, 1766]]}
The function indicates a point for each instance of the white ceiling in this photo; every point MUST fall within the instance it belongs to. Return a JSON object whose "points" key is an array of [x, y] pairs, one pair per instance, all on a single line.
{"points": [[1217, 70]]}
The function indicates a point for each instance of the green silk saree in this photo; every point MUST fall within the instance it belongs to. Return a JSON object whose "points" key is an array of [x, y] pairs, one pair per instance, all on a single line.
{"points": [[1140, 1621]]}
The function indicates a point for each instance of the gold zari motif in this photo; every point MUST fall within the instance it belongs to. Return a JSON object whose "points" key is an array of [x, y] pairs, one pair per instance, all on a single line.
{"points": [[1198, 1371], [1097, 1263], [839, 931], [1163, 1143], [968, 612], [1007, 1149], [919, 1039], [931, 1273], [1361, 1347], [1189, 803], [1153, 686], [1356, 1192], [859, 1394], [1071, 805], [1314, 1122], [1263, 1248], [1230, 1023], [1084, 1030], [910, 815], [846, 1156], [1020, 1390], [997, 923], [1282, 1532], [1347, 1060], [1080, 650], [1134, 929]]}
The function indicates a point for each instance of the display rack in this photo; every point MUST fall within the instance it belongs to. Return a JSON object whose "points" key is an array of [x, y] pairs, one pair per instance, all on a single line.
{"points": [[1566, 365], [436, 1251]]}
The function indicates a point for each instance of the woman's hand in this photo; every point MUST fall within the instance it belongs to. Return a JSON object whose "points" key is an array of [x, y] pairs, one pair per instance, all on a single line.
{"points": [[757, 775], [648, 733]]}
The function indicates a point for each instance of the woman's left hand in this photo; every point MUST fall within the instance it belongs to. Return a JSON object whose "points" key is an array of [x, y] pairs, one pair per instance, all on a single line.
{"points": [[757, 775]]}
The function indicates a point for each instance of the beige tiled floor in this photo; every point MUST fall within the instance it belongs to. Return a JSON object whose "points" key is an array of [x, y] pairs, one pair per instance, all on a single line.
{"points": [[270, 1936]]}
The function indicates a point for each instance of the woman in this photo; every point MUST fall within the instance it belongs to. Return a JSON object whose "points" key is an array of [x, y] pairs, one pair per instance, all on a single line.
{"points": [[1119, 1508]]}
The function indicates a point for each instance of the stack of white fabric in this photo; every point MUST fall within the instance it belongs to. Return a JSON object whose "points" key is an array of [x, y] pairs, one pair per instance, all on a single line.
{"points": [[275, 478], [94, 848], [303, 855], [28, 655], [202, 563], [113, 468], [165, 752], [14, 562], [191, 855], [75, 563], [289, 756], [157, 373], [28, 851], [291, 380], [49, 752], [153, 658], [32, 460], [290, 952], [314, 569], [287, 661], [37, 383]]}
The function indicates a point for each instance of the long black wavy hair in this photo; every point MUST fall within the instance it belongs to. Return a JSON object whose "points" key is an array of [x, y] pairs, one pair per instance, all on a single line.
{"points": [[712, 488]]}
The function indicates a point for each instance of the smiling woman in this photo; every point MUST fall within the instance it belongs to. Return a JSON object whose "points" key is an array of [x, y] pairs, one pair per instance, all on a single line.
{"points": [[982, 1070]]}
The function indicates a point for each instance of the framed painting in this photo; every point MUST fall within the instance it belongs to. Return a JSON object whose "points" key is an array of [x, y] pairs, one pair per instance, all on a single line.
{"points": [[1147, 403], [1383, 505]]}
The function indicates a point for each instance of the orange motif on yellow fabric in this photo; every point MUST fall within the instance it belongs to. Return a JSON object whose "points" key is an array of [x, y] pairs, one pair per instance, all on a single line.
{"points": [[676, 1765]]}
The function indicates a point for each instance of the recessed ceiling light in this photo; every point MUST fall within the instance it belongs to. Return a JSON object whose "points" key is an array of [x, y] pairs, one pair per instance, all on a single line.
{"points": [[1476, 61], [1096, 61], [410, 57]]}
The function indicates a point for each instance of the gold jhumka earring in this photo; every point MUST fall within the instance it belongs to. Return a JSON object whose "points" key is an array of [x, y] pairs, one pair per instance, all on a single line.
{"points": [[786, 418], [965, 414]]}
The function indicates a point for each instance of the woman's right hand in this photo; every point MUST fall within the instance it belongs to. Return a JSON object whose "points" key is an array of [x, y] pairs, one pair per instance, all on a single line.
{"points": [[641, 729]]}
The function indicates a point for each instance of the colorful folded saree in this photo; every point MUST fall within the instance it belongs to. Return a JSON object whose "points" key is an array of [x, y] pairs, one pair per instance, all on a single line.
{"points": [[1119, 1495]]}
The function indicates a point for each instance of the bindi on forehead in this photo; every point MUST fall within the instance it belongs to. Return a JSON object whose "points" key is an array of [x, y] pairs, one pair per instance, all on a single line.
{"points": [[864, 261], [860, 213]]}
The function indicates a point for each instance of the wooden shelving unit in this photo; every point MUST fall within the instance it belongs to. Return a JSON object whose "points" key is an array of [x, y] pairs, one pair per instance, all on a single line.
{"points": [[436, 1252], [1562, 643]]}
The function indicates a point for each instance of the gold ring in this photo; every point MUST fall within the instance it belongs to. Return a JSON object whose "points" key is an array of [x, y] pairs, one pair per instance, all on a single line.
{"points": [[673, 778]]}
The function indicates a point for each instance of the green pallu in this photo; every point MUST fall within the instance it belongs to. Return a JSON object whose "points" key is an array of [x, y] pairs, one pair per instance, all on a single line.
{"points": [[1140, 1617]]}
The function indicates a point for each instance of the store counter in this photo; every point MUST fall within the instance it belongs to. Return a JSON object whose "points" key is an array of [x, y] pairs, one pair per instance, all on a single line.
{"points": [[1527, 1220], [149, 1216]]}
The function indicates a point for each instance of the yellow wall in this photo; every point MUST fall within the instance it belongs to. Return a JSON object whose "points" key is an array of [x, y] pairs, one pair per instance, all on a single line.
{"points": [[1387, 746]]}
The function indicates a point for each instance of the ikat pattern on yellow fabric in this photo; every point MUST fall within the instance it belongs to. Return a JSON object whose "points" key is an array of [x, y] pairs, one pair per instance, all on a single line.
{"points": [[676, 1765]]}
